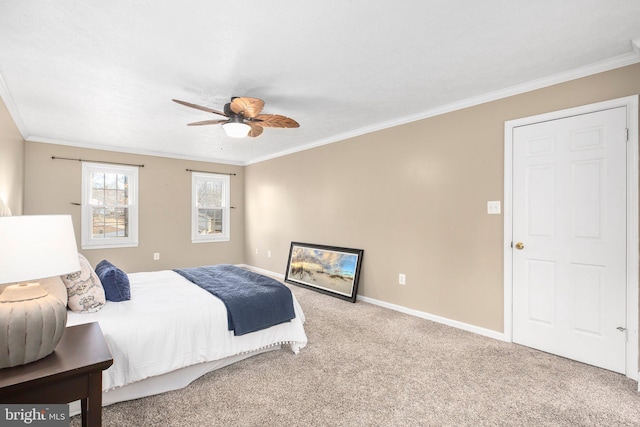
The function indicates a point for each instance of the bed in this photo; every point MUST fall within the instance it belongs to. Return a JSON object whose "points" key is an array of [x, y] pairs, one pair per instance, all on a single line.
{"points": [[171, 332]]}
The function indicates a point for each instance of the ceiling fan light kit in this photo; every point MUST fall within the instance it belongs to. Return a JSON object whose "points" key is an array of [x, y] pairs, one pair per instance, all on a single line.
{"points": [[243, 117], [236, 129]]}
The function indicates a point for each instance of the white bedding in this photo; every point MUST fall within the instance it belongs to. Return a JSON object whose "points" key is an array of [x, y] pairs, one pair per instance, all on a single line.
{"points": [[169, 324]]}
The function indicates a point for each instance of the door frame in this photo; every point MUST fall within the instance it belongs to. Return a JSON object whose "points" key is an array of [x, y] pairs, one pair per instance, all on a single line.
{"points": [[633, 261]]}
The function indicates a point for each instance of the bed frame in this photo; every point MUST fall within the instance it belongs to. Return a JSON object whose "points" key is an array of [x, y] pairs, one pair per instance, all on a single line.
{"points": [[170, 381]]}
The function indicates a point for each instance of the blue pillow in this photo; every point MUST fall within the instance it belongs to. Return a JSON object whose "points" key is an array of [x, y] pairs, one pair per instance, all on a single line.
{"points": [[114, 281]]}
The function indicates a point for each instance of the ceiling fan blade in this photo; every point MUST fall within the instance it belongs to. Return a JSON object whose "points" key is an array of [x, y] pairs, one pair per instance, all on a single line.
{"points": [[275, 121], [208, 122], [200, 107], [248, 107], [255, 130]]}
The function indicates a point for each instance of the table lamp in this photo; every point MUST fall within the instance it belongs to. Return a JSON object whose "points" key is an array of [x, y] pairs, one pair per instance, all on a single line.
{"points": [[33, 321]]}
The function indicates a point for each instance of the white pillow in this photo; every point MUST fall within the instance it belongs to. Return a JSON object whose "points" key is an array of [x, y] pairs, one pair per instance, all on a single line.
{"points": [[84, 290]]}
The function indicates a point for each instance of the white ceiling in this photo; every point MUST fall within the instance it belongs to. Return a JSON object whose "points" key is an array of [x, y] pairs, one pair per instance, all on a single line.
{"points": [[102, 74]]}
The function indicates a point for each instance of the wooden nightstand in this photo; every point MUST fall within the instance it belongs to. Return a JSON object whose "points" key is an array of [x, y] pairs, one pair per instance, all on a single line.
{"points": [[72, 372]]}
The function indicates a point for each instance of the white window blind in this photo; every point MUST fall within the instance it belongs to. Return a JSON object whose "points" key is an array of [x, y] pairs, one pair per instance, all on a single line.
{"points": [[109, 206], [210, 208]]}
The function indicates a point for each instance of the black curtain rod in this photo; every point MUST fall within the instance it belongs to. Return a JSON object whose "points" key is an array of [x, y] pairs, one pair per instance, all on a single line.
{"points": [[219, 173], [96, 161]]}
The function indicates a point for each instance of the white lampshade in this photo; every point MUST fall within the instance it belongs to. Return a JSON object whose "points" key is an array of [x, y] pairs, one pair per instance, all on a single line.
{"points": [[36, 246], [236, 130]]}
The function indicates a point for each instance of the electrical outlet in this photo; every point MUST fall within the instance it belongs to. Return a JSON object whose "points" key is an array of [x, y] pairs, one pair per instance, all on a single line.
{"points": [[493, 207], [256, 251], [156, 256], [268, 254], [402, 279]]}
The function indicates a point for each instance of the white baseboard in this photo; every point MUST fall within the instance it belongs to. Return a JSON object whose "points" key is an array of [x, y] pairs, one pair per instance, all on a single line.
{"points": [[453, 323], [262, 271], [434, 318]]}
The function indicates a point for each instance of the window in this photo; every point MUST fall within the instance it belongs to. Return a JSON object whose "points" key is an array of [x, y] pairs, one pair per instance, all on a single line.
{"points": [[109, 206], [209, 207]]}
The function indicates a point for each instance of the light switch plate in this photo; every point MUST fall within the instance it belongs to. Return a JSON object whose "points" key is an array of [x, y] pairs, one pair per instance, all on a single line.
{"points": [[493, 207]]}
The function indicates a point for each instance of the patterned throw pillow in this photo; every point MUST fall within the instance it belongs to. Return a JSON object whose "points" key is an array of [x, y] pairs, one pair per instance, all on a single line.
{"points": [[84, 289]]}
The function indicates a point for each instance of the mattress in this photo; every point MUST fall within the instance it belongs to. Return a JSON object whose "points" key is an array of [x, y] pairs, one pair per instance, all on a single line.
{"points": [[170, 324]]}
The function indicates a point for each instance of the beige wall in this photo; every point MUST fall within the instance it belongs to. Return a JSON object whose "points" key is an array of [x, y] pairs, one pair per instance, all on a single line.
{"points": [[11, 162], [164, 206], [414, 198]]}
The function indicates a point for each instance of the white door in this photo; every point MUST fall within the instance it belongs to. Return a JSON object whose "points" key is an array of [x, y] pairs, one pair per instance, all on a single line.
{"points": [[569, 237]]}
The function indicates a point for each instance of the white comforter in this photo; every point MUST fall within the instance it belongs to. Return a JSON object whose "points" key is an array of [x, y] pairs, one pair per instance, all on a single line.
{"points": [[170, 323]]}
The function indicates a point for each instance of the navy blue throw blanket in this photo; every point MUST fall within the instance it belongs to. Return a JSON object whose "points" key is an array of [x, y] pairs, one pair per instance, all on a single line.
{"points": [[253, 301]]}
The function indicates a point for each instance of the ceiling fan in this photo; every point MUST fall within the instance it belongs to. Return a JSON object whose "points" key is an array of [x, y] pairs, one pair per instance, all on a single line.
{"points": [[243, 117]]}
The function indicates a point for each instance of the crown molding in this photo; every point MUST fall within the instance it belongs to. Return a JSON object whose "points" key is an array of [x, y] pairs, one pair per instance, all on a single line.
{"points": [[127, 150], [599, 67], [12, 107]]}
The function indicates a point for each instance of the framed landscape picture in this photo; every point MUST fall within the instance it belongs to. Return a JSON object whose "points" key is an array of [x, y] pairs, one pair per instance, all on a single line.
{"points": [[328, 269]]}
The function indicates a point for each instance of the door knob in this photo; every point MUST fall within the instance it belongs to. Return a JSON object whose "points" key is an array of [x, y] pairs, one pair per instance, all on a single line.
{"points": [[519, 246]]}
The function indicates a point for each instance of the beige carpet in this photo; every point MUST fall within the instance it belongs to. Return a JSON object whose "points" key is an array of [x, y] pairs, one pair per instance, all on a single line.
{"points": [[369, 366]]}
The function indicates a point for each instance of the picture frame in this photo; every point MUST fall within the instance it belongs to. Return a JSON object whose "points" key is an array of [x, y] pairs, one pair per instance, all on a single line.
{"points": [[331, 270]]}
